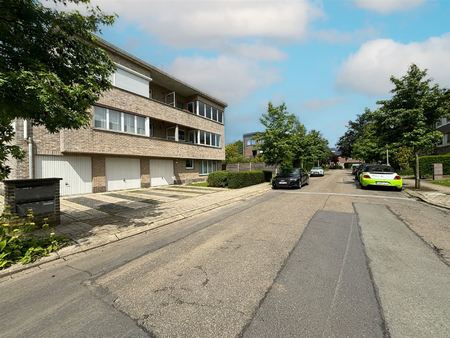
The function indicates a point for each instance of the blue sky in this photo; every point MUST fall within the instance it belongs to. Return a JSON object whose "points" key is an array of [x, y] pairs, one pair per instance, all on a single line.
{"points": [[327, 60]]}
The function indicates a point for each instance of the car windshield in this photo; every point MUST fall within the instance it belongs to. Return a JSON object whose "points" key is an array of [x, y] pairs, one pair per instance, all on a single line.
{"points": [[316, 168], [379, 168], [289, 172]]}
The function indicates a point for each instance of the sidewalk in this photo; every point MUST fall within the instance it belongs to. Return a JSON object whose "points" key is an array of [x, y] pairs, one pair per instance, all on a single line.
{"points": [[434, 194], [99, 228]]}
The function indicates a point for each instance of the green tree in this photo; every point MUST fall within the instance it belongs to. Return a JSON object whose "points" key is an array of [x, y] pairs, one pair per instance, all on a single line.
{"points": [[315, 148], [367, 145], [355, 129], [51, 69], [409, 118], [276, 139], [234, 152]]}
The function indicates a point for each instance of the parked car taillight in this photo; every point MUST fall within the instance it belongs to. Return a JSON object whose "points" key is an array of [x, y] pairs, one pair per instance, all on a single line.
{"points": [[366, 176], [397, 177]]}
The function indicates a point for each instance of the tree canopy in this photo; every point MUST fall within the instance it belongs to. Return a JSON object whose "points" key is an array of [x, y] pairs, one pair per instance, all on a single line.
{"points": [[51, 69], [405, 124], [234, 152], [285, 140]]}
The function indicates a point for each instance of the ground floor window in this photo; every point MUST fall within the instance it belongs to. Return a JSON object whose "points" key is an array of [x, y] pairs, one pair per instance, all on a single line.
{"points": [[189, 164], [208, 167]]}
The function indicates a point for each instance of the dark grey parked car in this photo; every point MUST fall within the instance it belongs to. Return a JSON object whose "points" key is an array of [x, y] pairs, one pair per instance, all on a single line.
{"points": [[294, 178]]}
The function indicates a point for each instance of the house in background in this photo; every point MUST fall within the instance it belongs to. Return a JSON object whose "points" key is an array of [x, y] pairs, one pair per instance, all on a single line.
{"points": [[250, 148], [149, 130], [444, 126]]}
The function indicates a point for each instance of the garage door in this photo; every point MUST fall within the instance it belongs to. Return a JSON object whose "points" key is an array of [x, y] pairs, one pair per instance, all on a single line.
{"points": [[161, 172], [75, 171], [123, 173]]}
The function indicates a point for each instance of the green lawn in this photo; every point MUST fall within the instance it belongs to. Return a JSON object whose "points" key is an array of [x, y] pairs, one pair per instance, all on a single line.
{"points": [[199, 184], [442, 182]]}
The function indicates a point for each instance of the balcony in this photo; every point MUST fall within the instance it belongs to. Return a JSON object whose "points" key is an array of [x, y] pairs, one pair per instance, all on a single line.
{"points": [[97, 141], [131, 103]]}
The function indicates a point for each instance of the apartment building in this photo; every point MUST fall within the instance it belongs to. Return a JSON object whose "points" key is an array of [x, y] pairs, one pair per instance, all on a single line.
{"points": [[250, 145], [443, 125], [149, 130]]}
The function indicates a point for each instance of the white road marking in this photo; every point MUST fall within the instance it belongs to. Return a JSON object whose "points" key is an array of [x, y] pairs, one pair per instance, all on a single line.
{"points": [[348, 195]]}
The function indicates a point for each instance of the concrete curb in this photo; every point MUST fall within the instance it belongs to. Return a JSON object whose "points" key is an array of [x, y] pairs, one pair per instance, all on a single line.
{"points": [[100, 241], [424, 198]]}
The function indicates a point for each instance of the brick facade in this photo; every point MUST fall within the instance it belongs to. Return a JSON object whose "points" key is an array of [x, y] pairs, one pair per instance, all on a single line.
{"points": [[99, 144], [98, 174]]}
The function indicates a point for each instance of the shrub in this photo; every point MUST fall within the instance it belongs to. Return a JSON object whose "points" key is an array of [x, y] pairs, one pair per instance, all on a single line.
{"points": [[244, 179], [426, 164], [21, 241], [218, 179]]}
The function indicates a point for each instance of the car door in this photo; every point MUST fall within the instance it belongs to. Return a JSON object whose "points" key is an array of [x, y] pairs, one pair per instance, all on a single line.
{"points": [[302, 176]]}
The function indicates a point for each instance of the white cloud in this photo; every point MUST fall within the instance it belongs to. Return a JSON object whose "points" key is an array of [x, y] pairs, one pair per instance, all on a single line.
{"points": [[370, 68], [339, 37], [321, 104], [256, 51], [207, 23], [388, 6], [227, 78]]}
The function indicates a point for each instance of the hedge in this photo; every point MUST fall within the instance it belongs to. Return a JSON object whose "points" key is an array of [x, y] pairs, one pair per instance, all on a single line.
{"points": [[426, 164], [244, 178], [218, 179]]}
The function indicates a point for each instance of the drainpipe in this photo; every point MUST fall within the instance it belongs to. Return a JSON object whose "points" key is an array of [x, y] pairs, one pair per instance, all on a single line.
{"points": [[29, 140], [30, 158]]}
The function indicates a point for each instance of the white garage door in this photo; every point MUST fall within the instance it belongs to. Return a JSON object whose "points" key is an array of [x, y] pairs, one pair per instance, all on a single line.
{"points": [[75, 171], [161, 172], [123, 173]]}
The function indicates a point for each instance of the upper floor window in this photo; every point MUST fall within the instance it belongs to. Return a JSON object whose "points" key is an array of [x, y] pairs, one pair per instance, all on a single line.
{"points": [[113, 120], [205, 110], [209, 139], [131, 80]]}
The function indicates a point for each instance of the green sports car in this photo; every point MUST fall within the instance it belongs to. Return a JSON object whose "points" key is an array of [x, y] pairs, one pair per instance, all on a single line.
{"points": [[380, 175]]}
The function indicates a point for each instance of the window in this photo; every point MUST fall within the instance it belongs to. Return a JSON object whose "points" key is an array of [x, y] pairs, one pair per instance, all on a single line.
{"points": [[202, 137], [181, 135], [189, 164], [114, 120], [208, 111], [132, 81], [100, 117], [190, 107], [208, 138], [201, 108], [140, 123], [129, 124], [192, 136], [208, 167], [171, 133]]}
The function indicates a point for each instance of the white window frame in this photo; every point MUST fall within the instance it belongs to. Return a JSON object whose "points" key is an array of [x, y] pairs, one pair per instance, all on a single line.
{"points": [[147, 125], [190, 167], [167, 133]]}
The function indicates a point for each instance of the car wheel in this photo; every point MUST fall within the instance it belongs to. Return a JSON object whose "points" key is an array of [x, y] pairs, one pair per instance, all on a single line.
{"points": [[299, 184], [399, 189], [274, 187]]}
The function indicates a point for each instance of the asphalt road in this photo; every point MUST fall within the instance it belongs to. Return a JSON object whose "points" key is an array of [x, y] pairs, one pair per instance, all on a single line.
{"points": [[326, 260]]}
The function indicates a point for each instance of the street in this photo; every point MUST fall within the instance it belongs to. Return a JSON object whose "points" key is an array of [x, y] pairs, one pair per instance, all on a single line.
{"points": [[328, 260]]}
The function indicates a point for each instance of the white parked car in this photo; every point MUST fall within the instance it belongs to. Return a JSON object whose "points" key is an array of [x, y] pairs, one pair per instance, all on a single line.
{"points": [[317, 171]]}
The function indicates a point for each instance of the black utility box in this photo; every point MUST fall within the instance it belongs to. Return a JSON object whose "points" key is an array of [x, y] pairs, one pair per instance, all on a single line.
{"points": [[40, 195]]}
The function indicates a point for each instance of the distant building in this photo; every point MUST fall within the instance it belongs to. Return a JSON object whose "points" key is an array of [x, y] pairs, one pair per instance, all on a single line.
{"points": [[250, 145], [443, 125]]}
